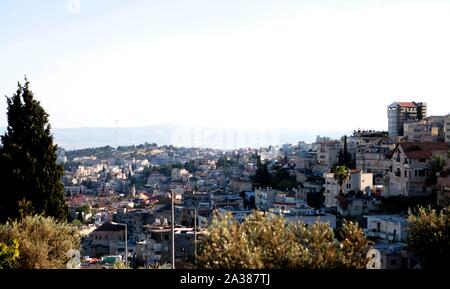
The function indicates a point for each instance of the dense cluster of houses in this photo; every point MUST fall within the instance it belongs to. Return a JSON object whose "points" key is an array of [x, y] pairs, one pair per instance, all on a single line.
{"points": [[123, 204]]}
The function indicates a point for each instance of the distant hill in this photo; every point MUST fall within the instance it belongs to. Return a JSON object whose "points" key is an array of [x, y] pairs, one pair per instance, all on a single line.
{"points": [[184, 136]]}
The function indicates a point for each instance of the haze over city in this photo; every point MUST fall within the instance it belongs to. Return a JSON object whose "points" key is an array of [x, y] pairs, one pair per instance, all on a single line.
{"points": [[246, 64]]}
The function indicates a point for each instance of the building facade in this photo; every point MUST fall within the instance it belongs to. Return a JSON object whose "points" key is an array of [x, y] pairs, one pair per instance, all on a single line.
{"points": [[430, 129], [400, 112], [264, 198], [387, 228], [447, 128], [410, 161], [327, 154], [358, 181]]}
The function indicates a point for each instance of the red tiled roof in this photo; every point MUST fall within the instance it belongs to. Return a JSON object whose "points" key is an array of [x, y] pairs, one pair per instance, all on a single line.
{"points": [[422, 150], [407, 104]]}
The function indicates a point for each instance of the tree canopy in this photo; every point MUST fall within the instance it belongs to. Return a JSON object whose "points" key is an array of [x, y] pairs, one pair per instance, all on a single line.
{"points": [[268, 242], [43, 243], [429, 237], [437, 167], [29, 173], [341, 175]]}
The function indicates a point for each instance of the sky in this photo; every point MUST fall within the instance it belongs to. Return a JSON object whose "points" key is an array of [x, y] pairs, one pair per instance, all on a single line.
{"points": [[235, 63]]}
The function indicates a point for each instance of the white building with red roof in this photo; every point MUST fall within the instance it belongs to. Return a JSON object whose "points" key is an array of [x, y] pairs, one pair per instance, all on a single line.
{"points": [[410, 161]]}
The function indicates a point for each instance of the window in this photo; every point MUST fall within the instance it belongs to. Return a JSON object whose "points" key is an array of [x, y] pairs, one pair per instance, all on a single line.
{"points": [[421, 173], [393, 262]]}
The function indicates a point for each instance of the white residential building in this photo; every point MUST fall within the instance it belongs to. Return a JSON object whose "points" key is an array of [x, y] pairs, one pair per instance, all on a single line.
{"points": [[264, 198], [389, 228], [410, 167], [327, 154], [373, 159], [358, 181]]}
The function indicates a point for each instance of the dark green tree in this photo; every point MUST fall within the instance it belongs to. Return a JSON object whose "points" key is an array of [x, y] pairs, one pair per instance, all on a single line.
{"points": [[262, 177], [437, 167], [282, 180], [28, 169], [345, 158]]}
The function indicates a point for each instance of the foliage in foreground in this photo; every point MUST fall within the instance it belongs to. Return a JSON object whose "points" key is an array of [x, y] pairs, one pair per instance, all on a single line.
{"points": [[9, 252], [429, 237], [43, 242], [263, 242]]}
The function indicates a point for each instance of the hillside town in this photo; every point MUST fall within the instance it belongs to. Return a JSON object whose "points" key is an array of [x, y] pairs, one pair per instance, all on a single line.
{"points": [[130, 202]]}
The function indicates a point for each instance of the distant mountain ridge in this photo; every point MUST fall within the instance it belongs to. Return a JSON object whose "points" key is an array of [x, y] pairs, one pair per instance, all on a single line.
{"points": [[184, 136]]}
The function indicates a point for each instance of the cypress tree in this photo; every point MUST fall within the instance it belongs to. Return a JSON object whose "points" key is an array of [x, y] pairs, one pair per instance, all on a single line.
{"points": [[28, 169], [345, 158]]}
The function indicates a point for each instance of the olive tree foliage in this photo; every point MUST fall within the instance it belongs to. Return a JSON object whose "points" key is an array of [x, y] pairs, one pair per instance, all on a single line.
{"points": [[43, 242], [265, 241], [429, 237], [9, 252]]}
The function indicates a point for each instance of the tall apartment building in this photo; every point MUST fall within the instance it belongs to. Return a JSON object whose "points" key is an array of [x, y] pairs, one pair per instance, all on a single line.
{"points": [[400, 112]]}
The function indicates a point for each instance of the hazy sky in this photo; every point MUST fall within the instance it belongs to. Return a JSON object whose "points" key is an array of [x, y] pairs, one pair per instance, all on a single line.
{"points": [[255, 63]]}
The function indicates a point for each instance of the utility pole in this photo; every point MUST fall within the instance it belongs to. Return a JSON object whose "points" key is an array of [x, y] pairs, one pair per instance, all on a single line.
{"points": [[126, 246], [195, 236], [173, 231], [126, 239], [126, 243]]}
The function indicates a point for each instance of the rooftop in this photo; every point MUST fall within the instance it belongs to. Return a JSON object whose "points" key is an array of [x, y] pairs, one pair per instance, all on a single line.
{"points": [[389, 218], [407, 104], [422, 150], [110, 227]]}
